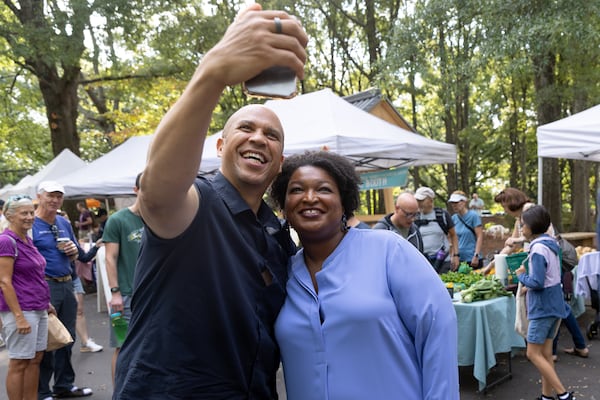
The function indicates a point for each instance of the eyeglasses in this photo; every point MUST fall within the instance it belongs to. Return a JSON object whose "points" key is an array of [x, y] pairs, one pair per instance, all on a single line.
{"points": [[54, 230], [409, 214]]}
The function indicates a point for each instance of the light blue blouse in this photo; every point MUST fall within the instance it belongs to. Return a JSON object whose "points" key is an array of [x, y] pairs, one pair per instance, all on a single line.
{"points": [[381, 327]]}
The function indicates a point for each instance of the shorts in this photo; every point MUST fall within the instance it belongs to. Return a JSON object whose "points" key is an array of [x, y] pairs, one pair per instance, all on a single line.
{"points": [[77, 286], [126, 315], [24, 347], [542, 329]]}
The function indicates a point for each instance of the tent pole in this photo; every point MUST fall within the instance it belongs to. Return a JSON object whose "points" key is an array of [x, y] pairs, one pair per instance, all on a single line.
{"points": [[540, 180]]}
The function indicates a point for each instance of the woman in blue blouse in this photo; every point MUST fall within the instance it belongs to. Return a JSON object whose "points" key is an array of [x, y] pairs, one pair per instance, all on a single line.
{"points": [[366, 317]]}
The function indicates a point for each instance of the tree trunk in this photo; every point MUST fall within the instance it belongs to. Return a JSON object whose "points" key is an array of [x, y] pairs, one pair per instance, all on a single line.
{"points": [[548, 110], [581, 220], [61, 100]]}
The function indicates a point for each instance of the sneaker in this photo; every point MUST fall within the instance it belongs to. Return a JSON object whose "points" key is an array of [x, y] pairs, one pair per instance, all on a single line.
{"points": [[91, 347], [74, 392], [569, 397], [2, 344]]}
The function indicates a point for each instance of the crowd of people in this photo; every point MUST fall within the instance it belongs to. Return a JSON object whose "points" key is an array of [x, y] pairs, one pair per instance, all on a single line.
{"points": [[215, 291]]}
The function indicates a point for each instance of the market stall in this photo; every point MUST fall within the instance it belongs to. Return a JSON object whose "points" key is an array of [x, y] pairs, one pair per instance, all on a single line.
{"points": [[486, 328]]}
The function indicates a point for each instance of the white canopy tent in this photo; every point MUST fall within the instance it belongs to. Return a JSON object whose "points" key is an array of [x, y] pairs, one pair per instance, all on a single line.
{"points": [[313, 121], [113, 174], [62, 164], [321, 120], [575, 137]]}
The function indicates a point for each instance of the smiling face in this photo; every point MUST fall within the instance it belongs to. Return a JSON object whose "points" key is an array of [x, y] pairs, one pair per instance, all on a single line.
{"points": [[50, 202], [21, 219], [251, 148], [313, 205]]}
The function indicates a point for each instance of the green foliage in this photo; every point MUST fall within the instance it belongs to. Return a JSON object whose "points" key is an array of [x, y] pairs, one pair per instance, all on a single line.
{"points": [[463, 71]]}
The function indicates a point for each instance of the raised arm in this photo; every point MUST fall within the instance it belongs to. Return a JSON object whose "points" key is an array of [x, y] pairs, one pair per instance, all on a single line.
{"points": [[167, 198]]}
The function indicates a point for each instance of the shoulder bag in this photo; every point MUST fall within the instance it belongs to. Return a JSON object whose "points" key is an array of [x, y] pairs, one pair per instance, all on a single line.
{"points": [[480, 263], [58, 335]]}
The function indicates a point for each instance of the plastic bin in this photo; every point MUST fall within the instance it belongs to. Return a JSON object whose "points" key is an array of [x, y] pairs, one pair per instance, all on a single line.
{"points": [[514, 261]]}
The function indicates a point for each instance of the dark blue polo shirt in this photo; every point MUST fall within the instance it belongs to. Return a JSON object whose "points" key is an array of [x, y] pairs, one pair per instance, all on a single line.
{"points": [[202, 323]]}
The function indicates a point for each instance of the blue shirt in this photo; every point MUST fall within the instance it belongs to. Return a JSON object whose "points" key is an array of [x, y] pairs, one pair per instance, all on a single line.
{"points": [[381, 327], [467, 241], [202, 315], [57, 262]]}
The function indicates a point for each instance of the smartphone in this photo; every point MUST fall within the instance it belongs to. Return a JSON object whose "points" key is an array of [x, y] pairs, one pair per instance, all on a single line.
{"points": [[274, 82]]}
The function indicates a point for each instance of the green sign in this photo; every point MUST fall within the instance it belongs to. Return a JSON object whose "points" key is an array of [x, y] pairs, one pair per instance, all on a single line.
{"points": [[384, 179]]}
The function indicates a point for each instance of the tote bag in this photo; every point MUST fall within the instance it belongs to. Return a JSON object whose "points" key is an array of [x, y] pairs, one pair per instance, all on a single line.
{"points": [[521, 321]]}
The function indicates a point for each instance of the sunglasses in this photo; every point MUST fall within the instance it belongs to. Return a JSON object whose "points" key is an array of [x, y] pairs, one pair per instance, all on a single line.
{"points": [[15, 199], [54, 230]]}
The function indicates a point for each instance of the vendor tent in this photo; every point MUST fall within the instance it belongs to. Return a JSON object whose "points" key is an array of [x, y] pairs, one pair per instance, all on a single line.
{"points": [[314, 121], [62, 164], [113, 174], [322, 120], [575, 137]]}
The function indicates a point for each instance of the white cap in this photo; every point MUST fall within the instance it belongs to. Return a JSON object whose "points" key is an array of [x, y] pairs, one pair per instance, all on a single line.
{"points": [[456, 197], [424, 192], [51, 186]]}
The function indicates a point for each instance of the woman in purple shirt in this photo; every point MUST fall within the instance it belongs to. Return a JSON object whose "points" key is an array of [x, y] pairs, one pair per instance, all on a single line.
{"points": [[24, 300]]}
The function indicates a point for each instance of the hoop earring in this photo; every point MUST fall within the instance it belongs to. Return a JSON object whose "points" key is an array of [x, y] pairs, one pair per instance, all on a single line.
{"points": [[344, 223]]}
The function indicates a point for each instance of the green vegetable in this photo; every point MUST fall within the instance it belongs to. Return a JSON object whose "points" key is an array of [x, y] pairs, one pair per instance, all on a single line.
{"points": [[464, 268], [484, 289], [457, 277]]}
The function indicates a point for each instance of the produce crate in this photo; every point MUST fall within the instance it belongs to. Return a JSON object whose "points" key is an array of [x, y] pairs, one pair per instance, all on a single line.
{"points": [[514, 261]]}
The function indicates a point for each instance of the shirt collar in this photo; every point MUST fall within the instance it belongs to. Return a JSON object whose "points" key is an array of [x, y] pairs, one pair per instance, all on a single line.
{"points": [[234, 201]]}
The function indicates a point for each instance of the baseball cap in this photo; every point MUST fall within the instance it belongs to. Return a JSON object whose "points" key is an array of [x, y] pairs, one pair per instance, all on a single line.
{"points": [[424, 192], [50, 186], [456, 197]]}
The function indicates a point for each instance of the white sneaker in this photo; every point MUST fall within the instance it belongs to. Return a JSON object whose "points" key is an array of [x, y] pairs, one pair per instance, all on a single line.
{"points": [[91, 347]]}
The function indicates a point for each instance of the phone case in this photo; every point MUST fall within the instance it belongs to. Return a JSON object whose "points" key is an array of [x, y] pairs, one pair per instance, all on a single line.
{"points": [[274, 82]]}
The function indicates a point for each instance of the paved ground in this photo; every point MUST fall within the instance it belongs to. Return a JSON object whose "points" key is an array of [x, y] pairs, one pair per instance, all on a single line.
{"points": [[581, 375]]}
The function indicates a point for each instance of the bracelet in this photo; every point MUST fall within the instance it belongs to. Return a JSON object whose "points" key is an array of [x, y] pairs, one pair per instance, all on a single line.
{"points": [[455, 255]]}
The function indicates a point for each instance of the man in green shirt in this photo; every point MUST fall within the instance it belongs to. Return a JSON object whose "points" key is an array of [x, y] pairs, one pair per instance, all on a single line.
{"points": [[122, 237]]}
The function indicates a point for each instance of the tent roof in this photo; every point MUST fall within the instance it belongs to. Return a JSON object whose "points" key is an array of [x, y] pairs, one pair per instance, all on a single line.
{"points": [[113, 174], [313, 121], [62, 164], [575, 137], [319, 120]]}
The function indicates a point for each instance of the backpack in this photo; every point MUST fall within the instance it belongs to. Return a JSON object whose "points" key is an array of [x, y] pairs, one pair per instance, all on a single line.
{"points": [[440, 218]]}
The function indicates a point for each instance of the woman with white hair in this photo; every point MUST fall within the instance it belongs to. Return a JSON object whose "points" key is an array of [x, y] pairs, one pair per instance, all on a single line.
{"points": [[24, 300]]}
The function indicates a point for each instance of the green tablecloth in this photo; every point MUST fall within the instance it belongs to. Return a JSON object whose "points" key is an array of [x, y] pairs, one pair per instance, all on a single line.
{"points": [[484, 329]]}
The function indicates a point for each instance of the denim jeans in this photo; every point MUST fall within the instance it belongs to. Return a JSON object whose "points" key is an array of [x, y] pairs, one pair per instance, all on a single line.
{"points": [[58, 362], [573, 327]]}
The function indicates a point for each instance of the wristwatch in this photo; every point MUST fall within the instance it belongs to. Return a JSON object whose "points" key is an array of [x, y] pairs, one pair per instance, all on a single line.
{"points": [[115, 289], [455, 255]]}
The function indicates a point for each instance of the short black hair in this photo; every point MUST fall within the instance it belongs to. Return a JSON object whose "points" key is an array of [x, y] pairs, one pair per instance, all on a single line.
{"points": [[341, 170], [537, 219]]}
